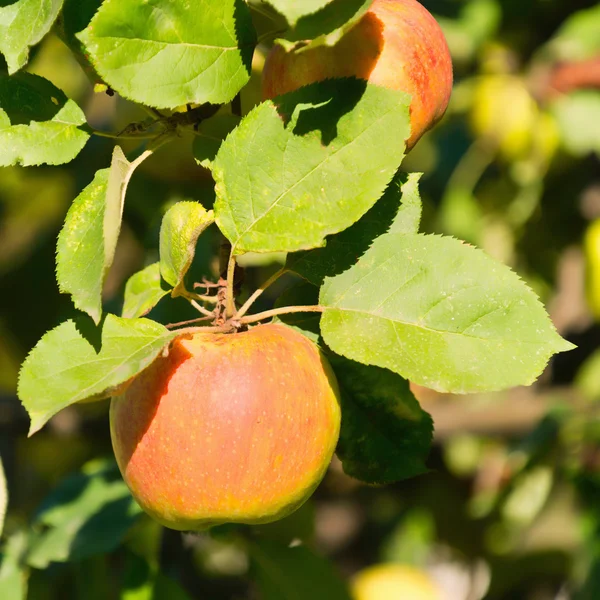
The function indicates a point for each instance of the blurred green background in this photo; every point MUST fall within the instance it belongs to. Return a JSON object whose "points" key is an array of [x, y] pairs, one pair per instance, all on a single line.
{"points": [[511, 507]]}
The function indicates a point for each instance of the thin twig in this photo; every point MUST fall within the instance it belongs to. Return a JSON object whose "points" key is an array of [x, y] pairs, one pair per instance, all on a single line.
{"points": [[200, 308], [228, 328], [229, 298], [245, 307], [189, 322], [118, 136], [203, 298], [267, 314]]}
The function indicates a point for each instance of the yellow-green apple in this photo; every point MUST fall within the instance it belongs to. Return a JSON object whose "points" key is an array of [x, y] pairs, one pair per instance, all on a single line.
{"points": [[394, 581], [233, 427], [397, 44]]}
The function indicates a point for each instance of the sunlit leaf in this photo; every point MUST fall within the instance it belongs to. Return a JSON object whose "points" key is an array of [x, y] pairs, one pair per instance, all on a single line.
{"points": [[38, 123], [87, 242], [181, 226], [172, 53], [23, 23], [78, 360], [143, 291], [308, 166], [440, 313]]}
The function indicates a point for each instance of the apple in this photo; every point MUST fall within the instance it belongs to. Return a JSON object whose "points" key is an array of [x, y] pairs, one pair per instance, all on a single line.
{"points": [[236, 427], [392, 582], [397, 44]]}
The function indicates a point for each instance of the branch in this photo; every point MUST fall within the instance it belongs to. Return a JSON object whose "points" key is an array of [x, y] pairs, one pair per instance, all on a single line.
{"points": [[267, 314], [246, 306]]}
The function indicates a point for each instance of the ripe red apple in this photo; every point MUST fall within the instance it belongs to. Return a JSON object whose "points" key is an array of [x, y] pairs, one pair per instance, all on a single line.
{"points": [[227, 428], [397, 44]]}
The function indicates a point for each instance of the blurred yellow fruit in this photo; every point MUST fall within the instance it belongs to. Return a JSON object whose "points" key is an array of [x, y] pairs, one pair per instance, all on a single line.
{"points": [[592, 255], [394, 582], [505, 113], [546, 138]]}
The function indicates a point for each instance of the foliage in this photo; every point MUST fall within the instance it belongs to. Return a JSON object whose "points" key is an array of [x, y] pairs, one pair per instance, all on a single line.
{"points": [[303, 208]]}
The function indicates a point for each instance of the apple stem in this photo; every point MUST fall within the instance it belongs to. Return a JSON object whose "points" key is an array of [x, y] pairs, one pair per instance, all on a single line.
{"points": [[200, 308], [246, 306], [229, 297], [180, 323], [267, 314]]}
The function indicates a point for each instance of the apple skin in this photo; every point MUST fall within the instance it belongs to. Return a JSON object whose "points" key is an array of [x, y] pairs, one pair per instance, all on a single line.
{"points": [[228, 428], [397, 44]]}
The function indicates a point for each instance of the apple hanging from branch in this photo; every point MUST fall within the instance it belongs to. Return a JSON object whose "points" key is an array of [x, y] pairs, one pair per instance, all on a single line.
{"points": [[397, 44], [228, 428]]}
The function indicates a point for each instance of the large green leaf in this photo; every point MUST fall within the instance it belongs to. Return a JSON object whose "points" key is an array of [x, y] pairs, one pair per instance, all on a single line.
{"points": [[440, 313], [311, 165], [77, 360], [172, 52], [87, 242], [38, 123], [23, 23], [88, 513], [179, 232], [385, 434], [284, 573], [143, 291], [398, 210]]}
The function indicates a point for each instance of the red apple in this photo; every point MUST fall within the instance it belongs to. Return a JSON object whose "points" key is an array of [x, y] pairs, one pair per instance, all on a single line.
{"points": [[397, 44], [227, 428]]}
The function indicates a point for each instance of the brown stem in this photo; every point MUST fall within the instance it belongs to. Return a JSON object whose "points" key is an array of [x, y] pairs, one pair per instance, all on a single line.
{"points": [[189, 322], [230, 296], [267, 314]]}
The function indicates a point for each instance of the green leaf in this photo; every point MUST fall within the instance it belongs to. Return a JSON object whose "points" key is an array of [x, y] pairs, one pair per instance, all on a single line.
{"points": [[579, 36], [398, 210], [3, 497], [87, 242], [172, 53], [311, 165], [88, 513], [385, 434], [38, 123], [440, 313], [328, 25], [13, 576], [179, 232], [293, 10], [284, 573], [408, 217], [210, 136], [78, 360], [143, 291], [23, 24]]}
